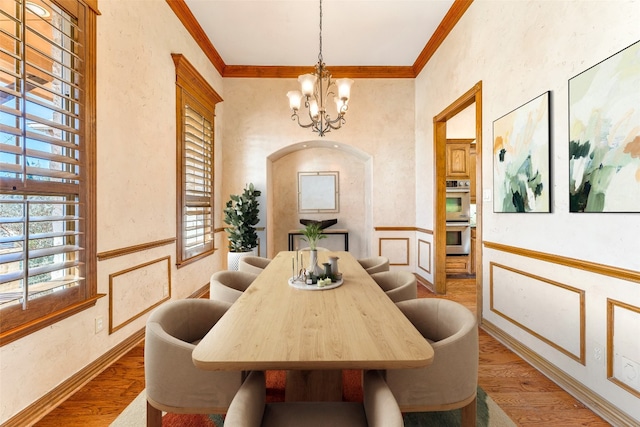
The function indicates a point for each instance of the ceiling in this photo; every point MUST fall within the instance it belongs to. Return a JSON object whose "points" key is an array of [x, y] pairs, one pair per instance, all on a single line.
{"points": [[286, 32]]}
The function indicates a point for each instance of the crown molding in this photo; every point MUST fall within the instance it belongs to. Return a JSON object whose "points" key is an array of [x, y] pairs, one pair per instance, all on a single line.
{"points": [[182, 11], [354, 72], [458, 8], [190, 22]]}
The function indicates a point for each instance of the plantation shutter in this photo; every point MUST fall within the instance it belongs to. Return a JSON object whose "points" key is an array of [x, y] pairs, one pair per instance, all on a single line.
{"points": [[196, 102], [42, 157], [198, 176]]}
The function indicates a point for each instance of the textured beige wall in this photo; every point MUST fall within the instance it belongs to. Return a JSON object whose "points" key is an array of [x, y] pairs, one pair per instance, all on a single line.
{"points": [[136, 189], [520, 50], [379, 125]]}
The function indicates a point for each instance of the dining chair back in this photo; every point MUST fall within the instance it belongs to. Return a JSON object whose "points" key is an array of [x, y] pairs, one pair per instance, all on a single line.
{"points": [[173, 383], [375, 264], [451, 381], [228, 285], [398, 285], [249, 407], [253, 264]]}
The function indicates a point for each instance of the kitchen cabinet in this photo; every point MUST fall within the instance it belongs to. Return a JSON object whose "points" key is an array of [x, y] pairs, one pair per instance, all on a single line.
{"points": [[457, 160], [472, 171]]}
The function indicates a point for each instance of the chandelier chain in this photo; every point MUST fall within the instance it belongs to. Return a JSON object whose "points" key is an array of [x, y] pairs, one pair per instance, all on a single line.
{"points": [[317, 89], [320, 53]]}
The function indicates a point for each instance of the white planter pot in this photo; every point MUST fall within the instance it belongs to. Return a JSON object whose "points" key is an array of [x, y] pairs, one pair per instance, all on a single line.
{"points": [[233, 259]]}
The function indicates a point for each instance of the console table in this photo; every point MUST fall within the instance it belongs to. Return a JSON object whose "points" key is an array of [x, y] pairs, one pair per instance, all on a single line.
{"points": [[337, 231]]}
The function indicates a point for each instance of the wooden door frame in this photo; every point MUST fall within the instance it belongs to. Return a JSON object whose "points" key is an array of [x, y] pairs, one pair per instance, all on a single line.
{"points": [[440, 140]]}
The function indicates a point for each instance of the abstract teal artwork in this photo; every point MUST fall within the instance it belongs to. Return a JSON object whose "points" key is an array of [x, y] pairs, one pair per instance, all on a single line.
{"points": [[521, 158], [604, 135]]}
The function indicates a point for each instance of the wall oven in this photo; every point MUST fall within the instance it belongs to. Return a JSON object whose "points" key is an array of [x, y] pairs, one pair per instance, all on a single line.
{"points": [[458, 208], [458, 200], [458, 238]]}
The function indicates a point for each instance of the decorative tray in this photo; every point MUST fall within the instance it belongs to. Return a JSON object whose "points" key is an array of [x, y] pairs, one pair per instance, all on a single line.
{"points": [[300, 285]]}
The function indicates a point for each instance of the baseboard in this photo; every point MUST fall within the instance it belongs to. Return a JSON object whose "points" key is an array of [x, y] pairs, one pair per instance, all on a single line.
{"points": [[590, 399], [203, 292], [424, 282], [41, 407]]}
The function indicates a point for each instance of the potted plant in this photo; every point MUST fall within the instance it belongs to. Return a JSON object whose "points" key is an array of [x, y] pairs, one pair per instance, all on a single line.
{"points": [[241, 216], [312, 232]]}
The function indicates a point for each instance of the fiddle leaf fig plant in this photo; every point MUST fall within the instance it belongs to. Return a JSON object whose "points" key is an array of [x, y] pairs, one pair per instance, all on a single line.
{"points": [[241, 216], [312, 233]]}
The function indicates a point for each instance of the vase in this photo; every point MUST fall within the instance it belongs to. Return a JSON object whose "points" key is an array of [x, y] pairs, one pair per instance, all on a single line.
{"points": [[314, 268], [327, 270], [333, 260]]}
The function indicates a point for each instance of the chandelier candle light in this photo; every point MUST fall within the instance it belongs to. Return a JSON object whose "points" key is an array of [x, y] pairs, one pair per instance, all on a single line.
{"points": [[316, 89]]}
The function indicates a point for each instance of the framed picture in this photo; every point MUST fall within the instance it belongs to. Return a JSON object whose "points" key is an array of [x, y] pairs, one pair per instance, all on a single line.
{"points": [[521, 158], [318, 192], [604, 135]]}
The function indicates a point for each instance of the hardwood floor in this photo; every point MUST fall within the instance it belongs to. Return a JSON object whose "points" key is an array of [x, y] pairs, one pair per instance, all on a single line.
{"points": [[528, 397]]}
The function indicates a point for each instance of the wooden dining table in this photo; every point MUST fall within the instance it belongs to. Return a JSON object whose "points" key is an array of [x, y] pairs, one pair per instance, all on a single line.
{"points": [[313, 333]]}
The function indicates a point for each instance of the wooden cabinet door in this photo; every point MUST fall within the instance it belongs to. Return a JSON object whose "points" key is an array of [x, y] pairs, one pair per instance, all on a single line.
{"points": [[458, 264], [458, 160], [472, 171]]}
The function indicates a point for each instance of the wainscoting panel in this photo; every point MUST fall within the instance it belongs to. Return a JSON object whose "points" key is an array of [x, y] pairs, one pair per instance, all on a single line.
{"points": [[424, 256], [551, 311], [541, 315], [137, 290], [623, 358], [396, 249]]}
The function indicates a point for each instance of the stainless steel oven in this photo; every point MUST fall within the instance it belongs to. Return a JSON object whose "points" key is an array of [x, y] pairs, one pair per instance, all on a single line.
{"points": [[458, 200], [458, 238]]}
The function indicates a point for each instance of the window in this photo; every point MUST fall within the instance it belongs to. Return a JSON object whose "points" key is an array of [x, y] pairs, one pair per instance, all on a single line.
{"points": [[47, 181], [196, 102]]}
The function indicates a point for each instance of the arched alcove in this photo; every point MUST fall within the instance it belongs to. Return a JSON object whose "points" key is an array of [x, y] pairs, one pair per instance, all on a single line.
{"points": [[355, 182]]}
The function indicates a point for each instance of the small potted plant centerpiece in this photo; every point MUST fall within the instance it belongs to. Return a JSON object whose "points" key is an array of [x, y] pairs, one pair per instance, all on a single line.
{"points": [[241, 216], [312, 233]]}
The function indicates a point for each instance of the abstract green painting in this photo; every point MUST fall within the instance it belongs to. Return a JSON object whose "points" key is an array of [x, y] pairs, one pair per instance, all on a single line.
{"points": [[604, 135], [521, 158]]}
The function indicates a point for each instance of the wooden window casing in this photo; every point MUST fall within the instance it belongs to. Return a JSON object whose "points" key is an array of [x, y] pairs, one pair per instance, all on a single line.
{"points": [[195, 112], [47, 163]]}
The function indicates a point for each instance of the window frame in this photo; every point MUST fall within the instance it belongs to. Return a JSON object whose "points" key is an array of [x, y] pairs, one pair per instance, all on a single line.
{"points": [[194, 91], [16, 322]]}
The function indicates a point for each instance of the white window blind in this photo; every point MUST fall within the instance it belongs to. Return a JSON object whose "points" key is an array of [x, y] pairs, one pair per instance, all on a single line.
{"points": [[42, 166]]}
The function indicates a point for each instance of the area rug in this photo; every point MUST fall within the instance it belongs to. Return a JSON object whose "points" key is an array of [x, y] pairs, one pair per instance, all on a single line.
{"points": [[489, 413]]}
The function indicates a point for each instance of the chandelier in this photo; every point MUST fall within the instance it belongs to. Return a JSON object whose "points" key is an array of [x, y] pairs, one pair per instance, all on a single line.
{"points": [[317, 89]]}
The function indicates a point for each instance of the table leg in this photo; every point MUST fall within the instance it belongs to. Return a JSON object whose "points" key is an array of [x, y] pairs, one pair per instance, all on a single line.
{"points": [[314, 386]]}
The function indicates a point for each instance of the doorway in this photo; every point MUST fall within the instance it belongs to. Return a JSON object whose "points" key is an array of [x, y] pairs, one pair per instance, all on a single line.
{"points": [[474, 95]]}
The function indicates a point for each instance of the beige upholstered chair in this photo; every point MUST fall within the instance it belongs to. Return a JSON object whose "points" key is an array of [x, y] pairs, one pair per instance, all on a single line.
{"points": [[228, 285], [253, 264], [451, 381], [379, 409], [398, 285], [375, 264], [173, 383]]}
